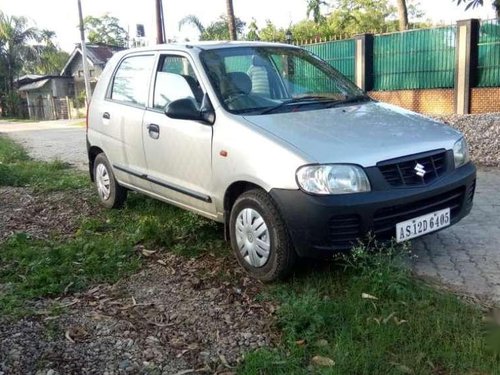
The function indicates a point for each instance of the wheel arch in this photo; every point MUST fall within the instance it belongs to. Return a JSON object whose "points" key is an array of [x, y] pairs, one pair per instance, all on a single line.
{"points": [[93, 151], [233, 191]]}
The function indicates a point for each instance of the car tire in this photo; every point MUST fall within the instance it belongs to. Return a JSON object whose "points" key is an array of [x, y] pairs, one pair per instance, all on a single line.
{"points": [[255, 225], [110, 193]]}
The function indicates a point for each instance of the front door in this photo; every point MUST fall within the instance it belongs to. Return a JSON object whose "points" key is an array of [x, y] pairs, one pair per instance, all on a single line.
{"points": [[178, 152]]}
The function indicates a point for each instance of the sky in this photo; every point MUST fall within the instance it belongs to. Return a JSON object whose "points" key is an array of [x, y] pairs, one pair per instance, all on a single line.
{"points": [[61, 16]]}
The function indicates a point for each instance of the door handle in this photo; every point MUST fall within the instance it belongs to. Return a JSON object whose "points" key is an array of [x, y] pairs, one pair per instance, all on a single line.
{"points": [[106, 115], [154, 131]]}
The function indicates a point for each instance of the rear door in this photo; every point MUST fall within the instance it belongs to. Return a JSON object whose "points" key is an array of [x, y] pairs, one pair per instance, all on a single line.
{"points": [[122, 114], [178, 152]]}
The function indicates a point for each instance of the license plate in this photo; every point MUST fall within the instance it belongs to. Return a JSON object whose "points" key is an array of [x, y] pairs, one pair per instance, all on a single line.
{"points": [[421, 225]]}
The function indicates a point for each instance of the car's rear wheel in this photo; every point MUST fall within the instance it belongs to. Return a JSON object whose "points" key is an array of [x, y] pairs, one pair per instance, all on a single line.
{"points": [[259, 237], [110, 193]]}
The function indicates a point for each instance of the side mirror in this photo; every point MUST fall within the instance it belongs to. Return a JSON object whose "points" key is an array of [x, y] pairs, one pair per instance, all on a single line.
{"points": [[183, 109], [186, 109]]}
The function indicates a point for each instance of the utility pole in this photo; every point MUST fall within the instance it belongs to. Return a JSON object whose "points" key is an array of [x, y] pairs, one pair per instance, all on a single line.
{"points": [[88, 91], [160, 23]]}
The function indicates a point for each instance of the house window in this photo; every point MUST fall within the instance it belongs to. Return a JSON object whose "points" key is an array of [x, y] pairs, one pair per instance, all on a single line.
{"points": [[80, 73], [91, 73]]}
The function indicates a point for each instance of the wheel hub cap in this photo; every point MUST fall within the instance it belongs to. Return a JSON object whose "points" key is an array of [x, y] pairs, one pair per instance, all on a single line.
{"points": [[252, 237], [103, 184]]}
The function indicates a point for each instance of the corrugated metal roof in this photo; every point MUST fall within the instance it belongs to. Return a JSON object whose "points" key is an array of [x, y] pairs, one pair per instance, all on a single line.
{"points": [[34, 85]]}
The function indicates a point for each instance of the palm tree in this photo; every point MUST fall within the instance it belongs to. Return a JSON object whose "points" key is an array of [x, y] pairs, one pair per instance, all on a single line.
{"points": [[216, 30], [15, 35], [231, 21], [314, 7], [403, 15], [476, 3], [47, 36], [193, 21]]}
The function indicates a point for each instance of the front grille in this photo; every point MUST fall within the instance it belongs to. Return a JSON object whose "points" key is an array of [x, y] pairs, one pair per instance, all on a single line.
{"points": [[344, 230], [385, 219], [401, 172]]}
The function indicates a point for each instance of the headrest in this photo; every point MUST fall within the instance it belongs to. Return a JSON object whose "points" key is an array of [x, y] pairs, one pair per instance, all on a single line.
{"points": [[258, 61], [240, 81]]}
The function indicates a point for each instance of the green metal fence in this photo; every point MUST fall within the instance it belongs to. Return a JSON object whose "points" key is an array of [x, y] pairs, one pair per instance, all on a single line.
{"points": [[488, 69], [340, 54], [416, 59]]}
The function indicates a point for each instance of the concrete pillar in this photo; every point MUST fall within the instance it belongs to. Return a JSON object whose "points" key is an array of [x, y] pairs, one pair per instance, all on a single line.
{"points": [[466, 63], [364, 61]]}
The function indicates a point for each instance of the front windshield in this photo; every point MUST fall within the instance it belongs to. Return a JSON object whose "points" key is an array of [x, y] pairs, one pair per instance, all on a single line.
{"points": [[258, 80]]}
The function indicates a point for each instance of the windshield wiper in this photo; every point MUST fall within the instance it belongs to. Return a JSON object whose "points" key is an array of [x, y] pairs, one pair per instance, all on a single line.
{"points": [[309, 99], [314, 99]]}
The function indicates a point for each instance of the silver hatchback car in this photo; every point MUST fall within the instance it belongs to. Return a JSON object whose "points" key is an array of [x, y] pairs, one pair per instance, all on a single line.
{"points": [[273, 142]]}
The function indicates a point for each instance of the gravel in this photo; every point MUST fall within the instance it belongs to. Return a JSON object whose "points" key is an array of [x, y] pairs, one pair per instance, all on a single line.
{"points": [[177, 314], [483, 136]]}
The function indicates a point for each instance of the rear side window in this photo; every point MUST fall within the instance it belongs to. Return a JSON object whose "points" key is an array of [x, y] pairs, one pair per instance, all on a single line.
{"points": [[131, 81]]}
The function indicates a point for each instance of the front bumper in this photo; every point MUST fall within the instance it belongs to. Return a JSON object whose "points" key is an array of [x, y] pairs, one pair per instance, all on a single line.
{"points": [[324, 225]]}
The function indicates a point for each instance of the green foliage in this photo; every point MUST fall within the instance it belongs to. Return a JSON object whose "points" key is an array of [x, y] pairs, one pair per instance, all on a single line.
{"points": [[314, 8], [270, 33], [217, 30], [477, 3], [372, 317], [253, 31], [347, 18], [105, 30], [51, 59], [16, 50]]}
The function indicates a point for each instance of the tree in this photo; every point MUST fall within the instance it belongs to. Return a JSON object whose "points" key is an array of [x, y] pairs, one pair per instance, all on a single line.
{"points": [[217, 30], [105, 30], [314, 7], [231, 21], [270, 33], [403, 15], [51, 58], [476, 3], [15, 51], [253, 31], [348, 18]]}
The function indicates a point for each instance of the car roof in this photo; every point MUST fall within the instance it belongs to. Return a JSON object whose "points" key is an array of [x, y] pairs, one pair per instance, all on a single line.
{"points": [[206, 45]]}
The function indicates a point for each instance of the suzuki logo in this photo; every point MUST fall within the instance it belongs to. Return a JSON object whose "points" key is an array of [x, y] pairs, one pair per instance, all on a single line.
{"points": [[419, 168]]}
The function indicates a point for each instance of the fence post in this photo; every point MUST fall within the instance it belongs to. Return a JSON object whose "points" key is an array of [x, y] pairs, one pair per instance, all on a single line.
{"points": [[465, 63], [364, 61]]}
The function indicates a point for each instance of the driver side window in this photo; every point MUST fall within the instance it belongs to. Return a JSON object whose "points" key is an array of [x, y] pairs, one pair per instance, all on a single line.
{"points": [[175, 79]]}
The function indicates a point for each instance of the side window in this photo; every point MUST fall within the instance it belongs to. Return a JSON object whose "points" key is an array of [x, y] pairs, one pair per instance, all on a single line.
{"points": [[131, 81], [175, 79]]}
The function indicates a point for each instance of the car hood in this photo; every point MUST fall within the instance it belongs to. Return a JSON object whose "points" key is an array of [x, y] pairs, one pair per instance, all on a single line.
{"points": [[363, 134]]}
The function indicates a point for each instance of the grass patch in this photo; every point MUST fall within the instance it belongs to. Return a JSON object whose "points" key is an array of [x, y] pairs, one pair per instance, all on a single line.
{"points": [[103, 246], [408, 329], [17, 169]]}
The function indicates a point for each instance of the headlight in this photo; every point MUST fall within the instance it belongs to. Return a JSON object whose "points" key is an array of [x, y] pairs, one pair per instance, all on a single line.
{"points": [[460, 153], [332, 179]]}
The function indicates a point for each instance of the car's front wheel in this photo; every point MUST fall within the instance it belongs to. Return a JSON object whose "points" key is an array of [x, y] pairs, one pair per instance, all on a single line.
{"points": [[259, 237], [111, 194]]}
